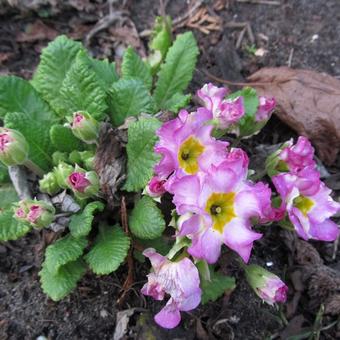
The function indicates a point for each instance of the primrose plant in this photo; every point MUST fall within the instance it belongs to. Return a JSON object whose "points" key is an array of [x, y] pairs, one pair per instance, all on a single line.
{"points": [[53, 126]]}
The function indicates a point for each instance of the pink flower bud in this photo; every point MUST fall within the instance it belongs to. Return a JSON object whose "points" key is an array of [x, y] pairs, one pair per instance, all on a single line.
{"points": [[34, 213], [155, 188], [85, 127], [266, 107], [83, 183], [78, 181]]}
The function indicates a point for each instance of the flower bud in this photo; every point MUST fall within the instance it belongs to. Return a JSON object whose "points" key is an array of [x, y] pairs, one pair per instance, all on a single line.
{"points": [[266, 285], [13, 147], [83, 183], [85, 127], [61, 172], [38, 214], [155, 187], [49, 184]]}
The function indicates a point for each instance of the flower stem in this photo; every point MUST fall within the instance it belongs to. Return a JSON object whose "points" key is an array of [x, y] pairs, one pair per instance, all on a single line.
{"points": [[34, 168]]}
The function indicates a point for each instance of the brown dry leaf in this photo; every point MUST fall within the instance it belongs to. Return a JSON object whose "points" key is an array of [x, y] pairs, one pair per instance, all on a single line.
{"points": [[35, 32], [309, 102]]}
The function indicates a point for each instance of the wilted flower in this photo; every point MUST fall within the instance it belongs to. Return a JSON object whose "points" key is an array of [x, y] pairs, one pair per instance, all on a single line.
{"points": [[85, 127], [308, 203], [266, 285], [155, 187], [83, 183], [186, 146], [220, 204], [38, 214], [13, 147], [178, 279]]}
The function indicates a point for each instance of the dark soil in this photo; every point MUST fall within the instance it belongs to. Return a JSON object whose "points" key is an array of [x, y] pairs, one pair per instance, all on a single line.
{"points": [[303, 31]]}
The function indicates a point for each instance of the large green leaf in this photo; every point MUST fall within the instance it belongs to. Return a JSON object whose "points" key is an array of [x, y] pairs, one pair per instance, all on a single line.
{"points": [[134, 67], [18, 95], [8, 195], [177, 102], [161, 35], [58, 285], [146, 220], [65, 250], [10, 228], [81, 223], [37, 135], [55, 61], [216, 287], [129, 97], [109, 251], [64, 140], [141, 157], [82, 89], [106, 71], [4, 176], [176, 73]]}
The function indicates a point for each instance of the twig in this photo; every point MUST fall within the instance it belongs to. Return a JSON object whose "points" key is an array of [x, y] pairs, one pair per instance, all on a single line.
{"points": [[290, 58], [188, 13], [240, 38], [261, 2], [130, 276], [250, 33]]}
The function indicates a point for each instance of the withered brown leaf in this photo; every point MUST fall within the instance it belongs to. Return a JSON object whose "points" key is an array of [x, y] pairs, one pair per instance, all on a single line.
{"points": [[309, 102]]}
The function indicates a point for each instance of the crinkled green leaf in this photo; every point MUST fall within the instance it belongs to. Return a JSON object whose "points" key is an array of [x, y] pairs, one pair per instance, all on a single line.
{"points": [[129, 97], [10, 228], [146, 220], [109, 251], [37, 135], [63, 139], [177, 102], [251, 100], [134, 67], [216, 287], [18, 95], [141, 157], [106, 71], [64, 250], [55, 61], [176, 73], [4, 176], [81, 223], [82, 90], [59, 284], [8, 195]]}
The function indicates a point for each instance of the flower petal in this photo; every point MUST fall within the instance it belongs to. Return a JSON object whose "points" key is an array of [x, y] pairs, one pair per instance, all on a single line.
{"points": [[169, 317]]}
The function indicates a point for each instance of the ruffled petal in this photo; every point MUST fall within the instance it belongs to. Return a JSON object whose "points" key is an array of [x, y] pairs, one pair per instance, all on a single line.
{"points": [[169, 317], [325, 231]]}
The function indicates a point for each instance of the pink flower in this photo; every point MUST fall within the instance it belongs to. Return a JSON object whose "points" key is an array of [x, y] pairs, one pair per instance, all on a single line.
{"points": [[308, 203], [218, 207], [5, 139], [265, 109], [20, 213], [266, 285], [155, 187], [212, 96], [178, 279], [77, 119], [34, 213], [298, 156], [78, 181], [186, 146]]}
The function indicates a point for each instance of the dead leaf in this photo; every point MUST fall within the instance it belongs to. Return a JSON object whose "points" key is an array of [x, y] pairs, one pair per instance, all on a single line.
{"points": [[35, 32], [309, 102]]}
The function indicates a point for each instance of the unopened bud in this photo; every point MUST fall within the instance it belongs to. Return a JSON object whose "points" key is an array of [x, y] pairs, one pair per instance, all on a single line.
{"points": [[83, 183], [85, 127]]}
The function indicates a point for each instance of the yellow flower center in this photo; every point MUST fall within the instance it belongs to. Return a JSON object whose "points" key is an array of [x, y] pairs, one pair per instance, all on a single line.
{"points": [[188, 155], [304, 204], [220, 206]]}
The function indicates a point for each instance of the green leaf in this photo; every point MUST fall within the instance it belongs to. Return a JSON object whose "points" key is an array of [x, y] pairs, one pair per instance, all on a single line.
{"points": [[37, 135], [64, 140], [177, 102], [161, 35], [58, 285], [109, 251], [82, 90], [134, 67], [4, 176], [176, 73], [161, 245], [18, 95], [216, 287], [141, 157], [146, 220], [8, 195], [106, 72], [10, 228], [129, 97], [64, 250], [251, 100], [81, 223], [55, 61]]}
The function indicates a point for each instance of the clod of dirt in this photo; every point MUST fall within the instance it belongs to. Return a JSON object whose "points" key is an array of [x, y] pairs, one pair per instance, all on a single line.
{"points": [[309, 102]]}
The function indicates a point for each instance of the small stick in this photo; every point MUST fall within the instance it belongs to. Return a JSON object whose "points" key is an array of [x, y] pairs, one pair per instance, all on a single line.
{"points": [[290, 58], [240, 38], [261, 2], [250, 33], [188, 13]]}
